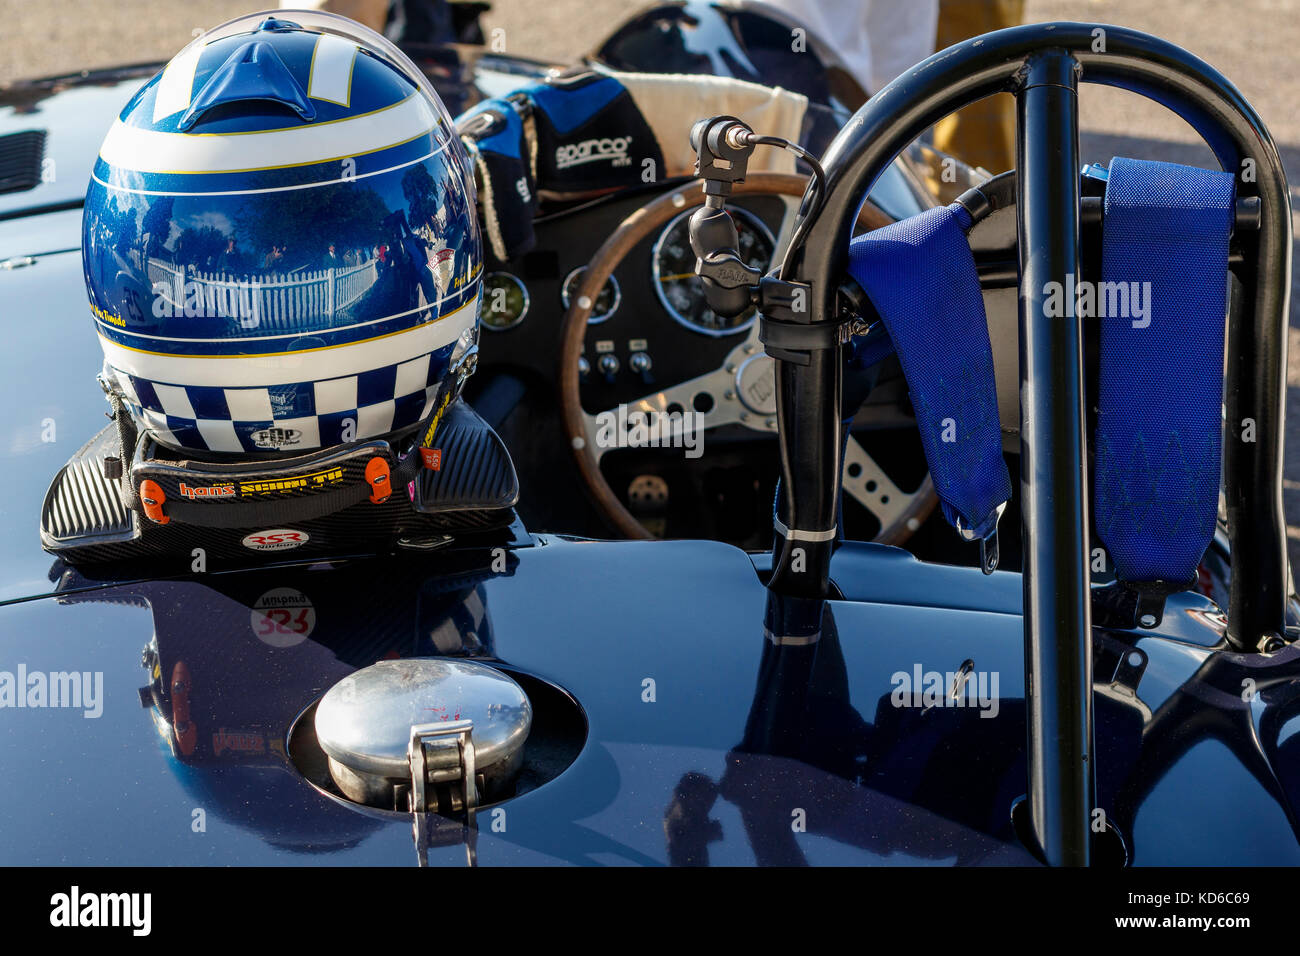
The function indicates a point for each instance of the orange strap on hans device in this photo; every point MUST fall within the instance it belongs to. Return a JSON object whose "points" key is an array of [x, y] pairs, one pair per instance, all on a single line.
{"points": [[377, 475], [152, 499]]}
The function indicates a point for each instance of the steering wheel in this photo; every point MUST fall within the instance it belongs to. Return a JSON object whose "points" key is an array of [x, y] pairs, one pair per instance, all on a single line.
{"points": [[741, 390]]}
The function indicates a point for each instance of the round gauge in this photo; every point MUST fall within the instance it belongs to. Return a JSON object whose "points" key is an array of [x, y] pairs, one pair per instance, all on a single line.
{"points": [[505, 301], [606, 303], [680, 289]]}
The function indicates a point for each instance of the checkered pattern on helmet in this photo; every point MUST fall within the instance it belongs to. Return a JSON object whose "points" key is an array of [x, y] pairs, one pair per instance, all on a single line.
{"points": [[295, 416]]}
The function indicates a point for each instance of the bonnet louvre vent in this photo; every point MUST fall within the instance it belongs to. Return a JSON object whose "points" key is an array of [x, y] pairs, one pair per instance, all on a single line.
{"points": [[20, 160], [86, 503], [82, 503]]}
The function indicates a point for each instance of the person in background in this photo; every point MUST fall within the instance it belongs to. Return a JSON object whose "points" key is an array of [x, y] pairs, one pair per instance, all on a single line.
{"points": [[332, 260], [272, 259], [983, 134], [371, 13], [879, 39], [408, 21], [876, 39], [228, 261]]}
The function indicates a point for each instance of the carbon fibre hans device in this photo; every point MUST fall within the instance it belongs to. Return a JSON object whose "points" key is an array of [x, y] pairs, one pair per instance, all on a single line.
{"points": [[283, 260]]}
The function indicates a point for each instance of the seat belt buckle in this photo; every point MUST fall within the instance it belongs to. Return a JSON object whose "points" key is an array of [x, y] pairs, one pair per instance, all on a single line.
{"points": [[989, 554]]}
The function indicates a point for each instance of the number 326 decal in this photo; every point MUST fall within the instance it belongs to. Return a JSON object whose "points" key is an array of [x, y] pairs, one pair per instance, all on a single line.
{"points": [[282, 617]]}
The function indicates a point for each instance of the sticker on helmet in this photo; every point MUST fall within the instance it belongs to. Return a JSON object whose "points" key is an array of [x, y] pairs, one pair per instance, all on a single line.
{"points": [[276, 437], [282, 617], [277, 539]]}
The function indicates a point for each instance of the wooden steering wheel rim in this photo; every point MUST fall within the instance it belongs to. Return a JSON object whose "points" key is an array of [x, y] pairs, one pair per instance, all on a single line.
{"points": [[622, 241]]}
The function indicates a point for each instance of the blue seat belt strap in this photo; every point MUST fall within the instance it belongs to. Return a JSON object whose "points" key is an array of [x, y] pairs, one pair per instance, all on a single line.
{"points": [[1162, 306], [920, 275]]}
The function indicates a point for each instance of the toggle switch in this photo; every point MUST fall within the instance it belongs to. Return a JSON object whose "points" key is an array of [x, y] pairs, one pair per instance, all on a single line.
{"points": [[641, 363]]}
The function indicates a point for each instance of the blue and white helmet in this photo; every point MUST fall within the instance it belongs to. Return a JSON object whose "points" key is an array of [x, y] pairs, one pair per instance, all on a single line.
{"points": [[280, 241]]}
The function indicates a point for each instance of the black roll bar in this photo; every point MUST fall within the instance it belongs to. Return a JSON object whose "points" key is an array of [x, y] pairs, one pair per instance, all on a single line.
{"points": [[1041, 64]]}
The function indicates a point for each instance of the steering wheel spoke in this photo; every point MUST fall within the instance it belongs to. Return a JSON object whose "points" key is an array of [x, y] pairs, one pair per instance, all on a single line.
{"points": [[899, 512], [741, 392]]}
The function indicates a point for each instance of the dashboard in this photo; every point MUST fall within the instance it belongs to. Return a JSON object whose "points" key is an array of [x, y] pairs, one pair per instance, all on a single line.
{"points": [[650, 323], [650, 329]]}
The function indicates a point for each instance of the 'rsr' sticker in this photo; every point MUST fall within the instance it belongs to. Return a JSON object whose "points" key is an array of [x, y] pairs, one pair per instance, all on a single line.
{"points": [[277, 539]]}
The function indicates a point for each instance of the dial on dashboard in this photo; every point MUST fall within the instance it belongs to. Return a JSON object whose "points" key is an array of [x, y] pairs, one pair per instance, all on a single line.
{"points": [[606, 302], [505, 301], [679, 288], [506, 298]]}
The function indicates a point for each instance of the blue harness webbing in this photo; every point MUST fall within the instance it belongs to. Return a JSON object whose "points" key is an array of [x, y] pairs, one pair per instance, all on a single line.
{"points": [[1161, 307], [920, 275], [1165, 246]]}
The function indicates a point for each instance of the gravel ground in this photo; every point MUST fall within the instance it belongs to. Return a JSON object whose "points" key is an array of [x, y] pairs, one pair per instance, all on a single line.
{"points": [[1254, 42]]}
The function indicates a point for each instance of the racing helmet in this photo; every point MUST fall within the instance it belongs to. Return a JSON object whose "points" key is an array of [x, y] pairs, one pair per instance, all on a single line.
{"points": [[280, 243]]}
